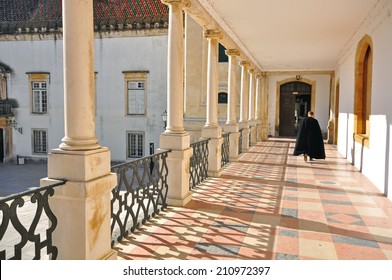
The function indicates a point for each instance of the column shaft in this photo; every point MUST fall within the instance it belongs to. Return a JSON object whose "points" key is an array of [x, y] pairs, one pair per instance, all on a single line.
{"points": [[252, 83], [244, 91], [232, 82], [78, 38], [175, 66]]}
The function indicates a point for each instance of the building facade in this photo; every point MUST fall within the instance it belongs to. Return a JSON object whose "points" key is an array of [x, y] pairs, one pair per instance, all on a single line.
{"points": [[130, 79]]}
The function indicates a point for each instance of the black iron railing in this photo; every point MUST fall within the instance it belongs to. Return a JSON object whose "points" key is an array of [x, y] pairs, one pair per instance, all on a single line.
{"points": [[27, 225], [198, 162], [225, 149], [5, 109], [140, 193], [240, 142]]}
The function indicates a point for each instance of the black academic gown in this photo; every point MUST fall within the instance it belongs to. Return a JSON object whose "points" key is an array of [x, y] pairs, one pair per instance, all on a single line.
{"points": [[310, 139]]}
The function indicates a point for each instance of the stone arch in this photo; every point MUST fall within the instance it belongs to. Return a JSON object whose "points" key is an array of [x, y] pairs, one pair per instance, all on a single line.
{"points": [[312, 83], [362, 89]]}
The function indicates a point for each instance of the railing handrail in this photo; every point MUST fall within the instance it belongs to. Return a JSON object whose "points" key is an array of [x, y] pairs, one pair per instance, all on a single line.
{"points": [[161, 151], [202, 139], [31, 191]]}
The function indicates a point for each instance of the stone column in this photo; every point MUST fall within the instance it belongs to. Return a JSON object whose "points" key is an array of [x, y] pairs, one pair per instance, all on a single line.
{"points": [[82, 205], [212, 129], [264, 108], [231, 125], [244, 123], [258, 106], [175, 138], [252, 94], [331, 121]]}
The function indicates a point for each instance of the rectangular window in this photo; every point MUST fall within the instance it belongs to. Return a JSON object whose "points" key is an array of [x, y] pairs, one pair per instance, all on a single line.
{"points": [[40, 97], [40, 141], [39, 83], [135, 144], [136, 92]]}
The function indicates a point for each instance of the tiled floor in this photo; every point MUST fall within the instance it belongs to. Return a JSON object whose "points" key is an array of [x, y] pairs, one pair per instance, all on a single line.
{"points": [[272, 205]]}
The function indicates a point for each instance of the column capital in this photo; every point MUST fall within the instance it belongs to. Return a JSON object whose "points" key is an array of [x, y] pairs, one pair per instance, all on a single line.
{"points": [[244, 63], [185, 3], [251, 71], [258, 74], [213, 34], [232, 52]]}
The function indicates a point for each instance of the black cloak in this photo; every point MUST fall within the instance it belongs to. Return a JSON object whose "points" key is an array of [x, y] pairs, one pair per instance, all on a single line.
{"points": [[310, 139]]}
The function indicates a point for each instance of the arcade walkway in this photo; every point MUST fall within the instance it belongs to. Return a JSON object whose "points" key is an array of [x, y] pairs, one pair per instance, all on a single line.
{"points": [[272, 205]]}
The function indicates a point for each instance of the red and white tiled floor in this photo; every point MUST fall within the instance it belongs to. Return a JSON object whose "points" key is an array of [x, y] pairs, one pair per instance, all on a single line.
{"points": [[272, 205]]}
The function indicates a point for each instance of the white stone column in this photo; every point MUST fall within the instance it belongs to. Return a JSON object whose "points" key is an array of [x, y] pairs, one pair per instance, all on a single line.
{"points": [[175, 138], [231, 125], [252, 98], [244, 123], [212, 129], [82, 205], [258, 106], [264, 108]]}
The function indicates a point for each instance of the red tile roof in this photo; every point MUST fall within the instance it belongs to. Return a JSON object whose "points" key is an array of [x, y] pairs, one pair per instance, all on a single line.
{"points": [[16, 14]]}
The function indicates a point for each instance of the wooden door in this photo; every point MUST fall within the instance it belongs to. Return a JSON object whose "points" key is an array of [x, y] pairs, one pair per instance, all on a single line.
{"points": [[286, 114]]}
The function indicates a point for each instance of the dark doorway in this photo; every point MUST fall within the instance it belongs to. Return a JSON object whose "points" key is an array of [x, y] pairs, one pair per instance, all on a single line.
{"points": [[295, 101], [1, 145]]}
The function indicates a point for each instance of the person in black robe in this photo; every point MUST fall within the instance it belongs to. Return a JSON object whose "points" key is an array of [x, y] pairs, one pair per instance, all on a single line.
{"points": [[310, 139]]}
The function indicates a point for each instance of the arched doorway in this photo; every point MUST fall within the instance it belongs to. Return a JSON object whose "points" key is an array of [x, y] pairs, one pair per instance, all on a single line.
{"points": [[295, 102]]}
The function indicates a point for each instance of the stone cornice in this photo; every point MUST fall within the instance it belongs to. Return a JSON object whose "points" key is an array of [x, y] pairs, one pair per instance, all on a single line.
{"points": [[232, 52], [213, 34]]}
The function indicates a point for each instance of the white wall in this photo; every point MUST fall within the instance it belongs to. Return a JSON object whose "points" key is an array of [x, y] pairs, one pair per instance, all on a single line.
{"points": [[374, 161], [112, 57]]}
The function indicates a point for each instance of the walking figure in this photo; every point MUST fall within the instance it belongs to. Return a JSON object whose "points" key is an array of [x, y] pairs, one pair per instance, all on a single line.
{"points": [[310, 141]]}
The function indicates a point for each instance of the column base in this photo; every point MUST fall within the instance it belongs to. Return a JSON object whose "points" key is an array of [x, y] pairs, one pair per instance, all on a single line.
{"points": [[111, 256], [82, 204], [178, 164], [179, 202], [215, 150]]}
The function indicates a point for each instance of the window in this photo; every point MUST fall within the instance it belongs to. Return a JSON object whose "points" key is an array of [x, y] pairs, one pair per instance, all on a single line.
{"points": [[222, 98], [363, 88], [40, 141], [39, 92], [135, 144], [222, 57], [40, 97], [135, 83]]}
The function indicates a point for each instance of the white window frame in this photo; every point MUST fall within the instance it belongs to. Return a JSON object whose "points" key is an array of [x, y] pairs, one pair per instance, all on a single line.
{"points": [[40, 147], [135, 147], [39, 95], [136, 93]]}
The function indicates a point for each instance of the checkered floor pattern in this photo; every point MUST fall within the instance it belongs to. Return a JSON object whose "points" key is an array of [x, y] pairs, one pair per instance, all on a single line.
{"points": [[272, 205]]}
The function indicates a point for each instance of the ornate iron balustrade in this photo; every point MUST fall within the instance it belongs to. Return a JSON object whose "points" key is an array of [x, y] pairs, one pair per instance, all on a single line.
{"points": [[240, 142], [33, 224], [198, 162], [225, 149], [5, 109], [140, 193]]}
